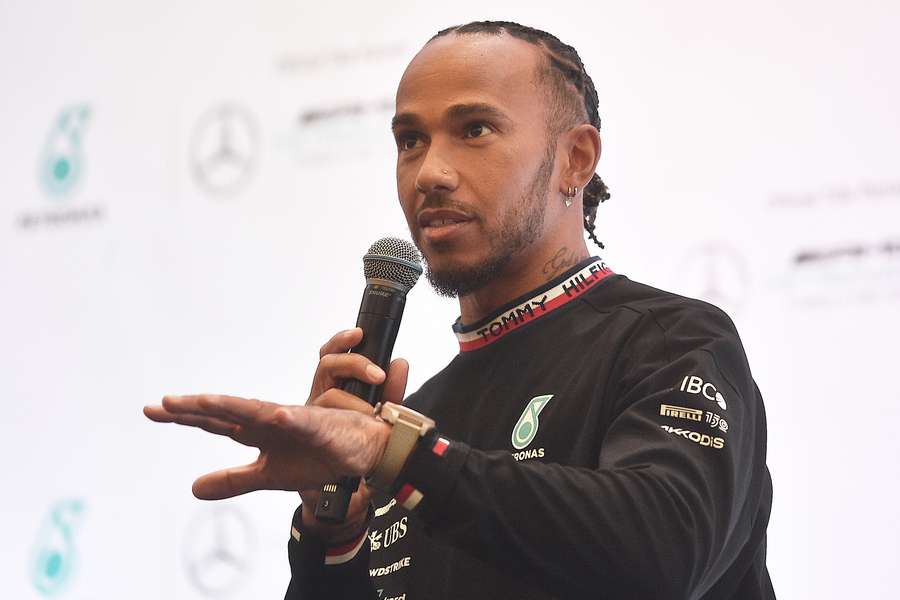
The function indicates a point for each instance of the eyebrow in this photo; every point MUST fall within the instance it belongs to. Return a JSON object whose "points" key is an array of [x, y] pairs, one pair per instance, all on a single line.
{"points": [[457, 111]]}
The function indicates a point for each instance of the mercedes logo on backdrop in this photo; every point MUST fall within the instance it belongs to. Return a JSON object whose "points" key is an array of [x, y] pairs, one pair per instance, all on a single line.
{"points": [[717, 273], [223, 149], [218, 550]]}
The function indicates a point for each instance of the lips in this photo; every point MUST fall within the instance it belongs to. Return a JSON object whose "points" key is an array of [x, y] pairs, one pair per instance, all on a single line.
{"points": [[433, 218], [441, 225]]}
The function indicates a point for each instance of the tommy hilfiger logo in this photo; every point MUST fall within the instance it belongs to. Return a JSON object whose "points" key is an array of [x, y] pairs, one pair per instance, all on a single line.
{"points": [[535, 307], [526, 427]]}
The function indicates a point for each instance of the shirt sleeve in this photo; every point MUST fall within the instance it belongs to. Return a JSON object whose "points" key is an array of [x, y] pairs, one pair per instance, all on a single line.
{"points": [[672, 501], [319, 571]]}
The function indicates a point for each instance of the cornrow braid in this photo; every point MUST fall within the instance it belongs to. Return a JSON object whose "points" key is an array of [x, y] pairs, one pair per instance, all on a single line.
{"points": [[566, 71]]}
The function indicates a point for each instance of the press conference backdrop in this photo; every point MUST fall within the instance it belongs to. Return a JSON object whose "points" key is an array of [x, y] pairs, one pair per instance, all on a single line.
{"points": [[188, 187]]}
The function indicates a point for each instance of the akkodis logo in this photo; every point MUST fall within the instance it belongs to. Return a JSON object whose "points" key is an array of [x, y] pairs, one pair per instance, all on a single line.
{"points": [[61, 163], [55, 554]]}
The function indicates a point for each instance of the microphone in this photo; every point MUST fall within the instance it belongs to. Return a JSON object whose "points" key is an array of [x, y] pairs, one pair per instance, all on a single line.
{"points": [[391, 267]]}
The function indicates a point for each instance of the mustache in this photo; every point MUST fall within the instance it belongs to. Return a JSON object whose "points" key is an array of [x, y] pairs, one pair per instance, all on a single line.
{"points": [[438, 200]]}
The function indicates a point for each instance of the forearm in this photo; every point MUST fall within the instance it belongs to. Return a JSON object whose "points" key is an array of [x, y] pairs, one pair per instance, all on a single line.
{"points": [[635, 532], [322, 571]]}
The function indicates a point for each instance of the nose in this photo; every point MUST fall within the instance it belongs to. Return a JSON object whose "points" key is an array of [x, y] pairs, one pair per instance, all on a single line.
{"points": [[435, 174]]}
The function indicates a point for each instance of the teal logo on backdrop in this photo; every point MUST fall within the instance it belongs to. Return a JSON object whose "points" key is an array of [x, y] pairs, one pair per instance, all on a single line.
{"points": [[527, 426], [61, 163], [55, 552]]}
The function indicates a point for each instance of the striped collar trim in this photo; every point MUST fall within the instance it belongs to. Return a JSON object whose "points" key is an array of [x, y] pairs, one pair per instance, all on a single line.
{"points": [[558, 292]]}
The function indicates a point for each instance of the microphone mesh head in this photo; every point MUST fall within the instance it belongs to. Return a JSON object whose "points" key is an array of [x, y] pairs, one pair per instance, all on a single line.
{"points": [[393, 259]]}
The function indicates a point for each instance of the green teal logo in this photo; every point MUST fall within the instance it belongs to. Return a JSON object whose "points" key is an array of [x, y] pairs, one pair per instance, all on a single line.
{"points": [[526, 428], [55, 553], [61, 163]]}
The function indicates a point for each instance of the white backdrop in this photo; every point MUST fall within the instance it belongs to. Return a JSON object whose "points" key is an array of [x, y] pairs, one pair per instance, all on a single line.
{"points": [[752, 152]]}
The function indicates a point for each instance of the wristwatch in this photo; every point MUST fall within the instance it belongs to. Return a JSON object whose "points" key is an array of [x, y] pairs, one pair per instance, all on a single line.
{"points": [[408, 427]]}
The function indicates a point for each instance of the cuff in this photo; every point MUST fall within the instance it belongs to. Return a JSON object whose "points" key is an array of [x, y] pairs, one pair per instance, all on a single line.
{"points": [[310, 557], [430, 474]]}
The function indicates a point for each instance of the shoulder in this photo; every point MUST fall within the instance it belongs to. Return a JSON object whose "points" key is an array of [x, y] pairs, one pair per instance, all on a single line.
{"points": [[669, 333], [660, 317]]}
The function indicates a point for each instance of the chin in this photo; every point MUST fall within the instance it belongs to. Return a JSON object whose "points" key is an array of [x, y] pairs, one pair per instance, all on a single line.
{"points": [[454, 278]]}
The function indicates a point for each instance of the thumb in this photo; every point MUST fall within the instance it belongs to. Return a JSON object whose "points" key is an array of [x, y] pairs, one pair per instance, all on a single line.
{"points": [[395, 384], [228, 483]]}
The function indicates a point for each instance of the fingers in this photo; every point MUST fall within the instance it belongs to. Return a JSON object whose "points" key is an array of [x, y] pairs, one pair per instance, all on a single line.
{"points": [[210, 424], [395, 384], [334, 368], [342, 341], [335, 398], [231, 409], [228, 483]]}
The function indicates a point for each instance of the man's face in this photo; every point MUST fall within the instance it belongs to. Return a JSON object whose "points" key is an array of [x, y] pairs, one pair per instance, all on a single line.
{"points": [[474, 162]]}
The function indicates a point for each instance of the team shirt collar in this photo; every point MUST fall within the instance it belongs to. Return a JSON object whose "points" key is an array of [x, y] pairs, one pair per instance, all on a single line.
{"points": [[533, 305]]}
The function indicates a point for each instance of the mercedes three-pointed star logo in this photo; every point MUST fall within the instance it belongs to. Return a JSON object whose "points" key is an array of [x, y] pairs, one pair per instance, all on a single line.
{"points": [[717, 273], [218, 550], [223, 149]]}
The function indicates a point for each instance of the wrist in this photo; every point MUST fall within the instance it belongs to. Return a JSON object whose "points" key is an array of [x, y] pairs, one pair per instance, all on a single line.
{"points": [[405, 428], [335, 534], [382, 437]]}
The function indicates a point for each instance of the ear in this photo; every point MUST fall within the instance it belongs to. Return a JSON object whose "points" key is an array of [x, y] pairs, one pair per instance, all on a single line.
{"points": [[581, 146]]}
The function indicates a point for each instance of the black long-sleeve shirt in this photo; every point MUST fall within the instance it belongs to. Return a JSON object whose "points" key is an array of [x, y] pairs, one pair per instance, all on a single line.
{"points": [[596, 438]]}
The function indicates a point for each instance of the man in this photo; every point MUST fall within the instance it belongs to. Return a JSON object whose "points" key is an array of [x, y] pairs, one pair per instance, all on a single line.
{"points": [[595, 437]]}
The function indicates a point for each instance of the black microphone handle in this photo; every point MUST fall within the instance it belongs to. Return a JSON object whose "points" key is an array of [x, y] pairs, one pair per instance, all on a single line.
{"points": [[379, 317]]}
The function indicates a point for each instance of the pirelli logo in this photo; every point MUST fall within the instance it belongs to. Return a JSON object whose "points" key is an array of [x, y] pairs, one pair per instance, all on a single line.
{"points": [[680, 412]]}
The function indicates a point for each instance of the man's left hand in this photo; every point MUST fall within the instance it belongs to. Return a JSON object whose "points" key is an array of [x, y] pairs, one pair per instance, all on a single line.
{"points": [[300, 447]]}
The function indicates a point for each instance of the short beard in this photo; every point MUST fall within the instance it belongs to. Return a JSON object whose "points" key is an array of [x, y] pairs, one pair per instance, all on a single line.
{"points": [[520, 227]]}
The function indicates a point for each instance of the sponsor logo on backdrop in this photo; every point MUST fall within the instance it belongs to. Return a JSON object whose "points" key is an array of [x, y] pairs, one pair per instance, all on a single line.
{"points": [[698, 438], [224, 149], [340, 126], [61, 168], [339, 130], [859, 272], [836, 269], [61, 162], [527, 426], [55, 554], [718, 273], [868, 193], [218, 550], [304, 63]]}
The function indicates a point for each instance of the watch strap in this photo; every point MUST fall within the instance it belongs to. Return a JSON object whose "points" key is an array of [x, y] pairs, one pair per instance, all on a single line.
{"points": [[407, 427]]}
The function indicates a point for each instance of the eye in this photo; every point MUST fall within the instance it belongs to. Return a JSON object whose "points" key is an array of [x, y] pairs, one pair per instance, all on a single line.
{"points": [[408, 141], [476, 130]]}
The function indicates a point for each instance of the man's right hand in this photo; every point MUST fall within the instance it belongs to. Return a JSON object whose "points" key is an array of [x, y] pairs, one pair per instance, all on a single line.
{"points": [[336, 365]]}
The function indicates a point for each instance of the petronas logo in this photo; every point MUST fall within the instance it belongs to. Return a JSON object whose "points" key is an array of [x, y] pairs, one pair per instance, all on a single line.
{"points": [[61, 162], [526, 428], [55, 554]]}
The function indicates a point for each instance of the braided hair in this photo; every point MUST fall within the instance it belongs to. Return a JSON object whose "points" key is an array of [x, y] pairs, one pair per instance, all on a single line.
{"points": [[565, 71]]}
